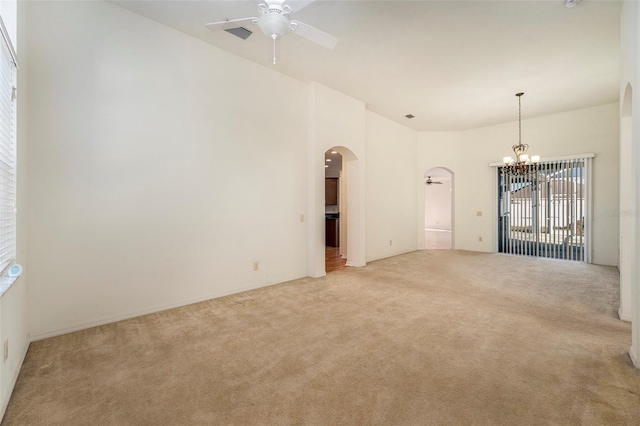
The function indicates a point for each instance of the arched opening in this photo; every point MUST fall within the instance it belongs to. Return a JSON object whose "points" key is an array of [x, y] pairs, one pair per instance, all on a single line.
{"points": [[438, 208], [335, 210], [344, 210], [627, 205]]}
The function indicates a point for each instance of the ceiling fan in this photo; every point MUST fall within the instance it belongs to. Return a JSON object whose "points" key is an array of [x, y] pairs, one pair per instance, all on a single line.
{"points": [[431, 182], [275, 23]]}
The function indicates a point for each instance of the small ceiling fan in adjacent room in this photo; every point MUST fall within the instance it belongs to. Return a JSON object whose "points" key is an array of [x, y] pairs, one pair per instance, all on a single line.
{"points": [[431, 182], [275, 23]]}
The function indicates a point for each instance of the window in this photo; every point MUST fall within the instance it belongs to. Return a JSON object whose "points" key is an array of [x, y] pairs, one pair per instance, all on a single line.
{"points": [[545, 214], [7, 157]]}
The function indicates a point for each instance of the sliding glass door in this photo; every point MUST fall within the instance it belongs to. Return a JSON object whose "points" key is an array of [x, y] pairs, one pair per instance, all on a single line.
{"points": [[544, 214]]}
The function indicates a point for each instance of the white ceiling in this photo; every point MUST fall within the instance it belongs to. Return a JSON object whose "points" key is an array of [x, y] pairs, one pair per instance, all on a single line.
{"points": [[455, 65]]}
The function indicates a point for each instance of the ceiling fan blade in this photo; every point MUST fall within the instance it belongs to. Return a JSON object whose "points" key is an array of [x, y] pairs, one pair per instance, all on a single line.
{"points": [[229, 23], [313, 34], [298, 5]]}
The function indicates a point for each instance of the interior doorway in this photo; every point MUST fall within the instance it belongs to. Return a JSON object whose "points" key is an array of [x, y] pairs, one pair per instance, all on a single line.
{"points": [[438, 208], [335, 209]]}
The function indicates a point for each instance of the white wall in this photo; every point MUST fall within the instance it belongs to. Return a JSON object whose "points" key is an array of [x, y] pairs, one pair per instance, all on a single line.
{"points": [[629, 74], [391, 185], [626, 212], [160, 168], [628, 172]]}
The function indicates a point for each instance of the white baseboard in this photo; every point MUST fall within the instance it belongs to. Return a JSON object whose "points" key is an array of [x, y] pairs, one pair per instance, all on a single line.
{"points": [[634, 357], [82, 325], [623, 316], [14, 379]]}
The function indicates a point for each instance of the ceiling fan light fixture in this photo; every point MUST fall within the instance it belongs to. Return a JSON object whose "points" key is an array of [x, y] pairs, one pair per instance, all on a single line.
{"points": [[274, 25]]}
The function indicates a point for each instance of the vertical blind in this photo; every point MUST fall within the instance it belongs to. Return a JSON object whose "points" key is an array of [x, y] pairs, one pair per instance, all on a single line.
{"points": [[544, 214], [7, 158]]}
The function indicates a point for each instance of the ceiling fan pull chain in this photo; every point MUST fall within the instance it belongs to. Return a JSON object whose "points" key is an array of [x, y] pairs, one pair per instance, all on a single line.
{"points": [[274, 48]]}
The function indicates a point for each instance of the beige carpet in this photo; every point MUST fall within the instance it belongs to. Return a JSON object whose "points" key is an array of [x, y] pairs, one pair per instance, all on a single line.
{"points": [[431, 337]]}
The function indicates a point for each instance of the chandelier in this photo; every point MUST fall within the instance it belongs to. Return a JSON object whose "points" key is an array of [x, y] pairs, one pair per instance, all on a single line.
{"points": [[522, 164]]}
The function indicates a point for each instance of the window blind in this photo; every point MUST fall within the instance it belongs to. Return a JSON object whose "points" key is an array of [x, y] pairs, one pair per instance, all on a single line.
{"points": [[544, 214], [7, 158]]}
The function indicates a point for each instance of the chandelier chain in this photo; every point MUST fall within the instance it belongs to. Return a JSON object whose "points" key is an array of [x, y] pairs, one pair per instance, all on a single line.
{"points": [[520, 118], [522, 164]]}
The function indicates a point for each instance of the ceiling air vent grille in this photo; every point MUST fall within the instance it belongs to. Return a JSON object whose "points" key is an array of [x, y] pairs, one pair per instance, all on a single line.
{"points": [[241, 32]]}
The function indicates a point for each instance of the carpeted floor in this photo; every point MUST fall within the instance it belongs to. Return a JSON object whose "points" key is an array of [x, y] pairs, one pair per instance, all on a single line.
{"points": [[427, 338]]}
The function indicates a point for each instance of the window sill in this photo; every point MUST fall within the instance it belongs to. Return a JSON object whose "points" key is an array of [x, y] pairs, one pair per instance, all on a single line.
{"points": [[5, 283]]}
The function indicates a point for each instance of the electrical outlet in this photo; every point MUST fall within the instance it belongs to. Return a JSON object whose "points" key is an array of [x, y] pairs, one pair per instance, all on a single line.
{"points": [[256, 265], [478, 213], [390, 242], [480, 239], [5, 352], [301, 218]]}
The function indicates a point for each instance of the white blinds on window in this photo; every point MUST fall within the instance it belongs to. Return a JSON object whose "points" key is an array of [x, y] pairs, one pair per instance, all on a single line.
{"points": [[545, 214], [7, 159]]}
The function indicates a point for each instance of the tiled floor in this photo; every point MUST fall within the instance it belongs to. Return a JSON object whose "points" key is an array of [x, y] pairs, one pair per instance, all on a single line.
{"points": [[437, 239]]}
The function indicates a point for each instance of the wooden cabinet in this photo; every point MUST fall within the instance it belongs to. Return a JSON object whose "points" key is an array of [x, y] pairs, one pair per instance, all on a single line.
{"points": [[332, 232], [331, 191]]}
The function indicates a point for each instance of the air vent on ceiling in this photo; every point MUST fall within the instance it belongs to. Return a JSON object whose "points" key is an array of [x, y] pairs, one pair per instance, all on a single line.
{"points": [[241, 32], [409, 115]]}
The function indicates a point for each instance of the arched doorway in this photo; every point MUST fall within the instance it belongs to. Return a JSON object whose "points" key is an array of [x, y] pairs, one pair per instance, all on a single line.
{"points": [[438, 208], [335, 211], [351, 212]]}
